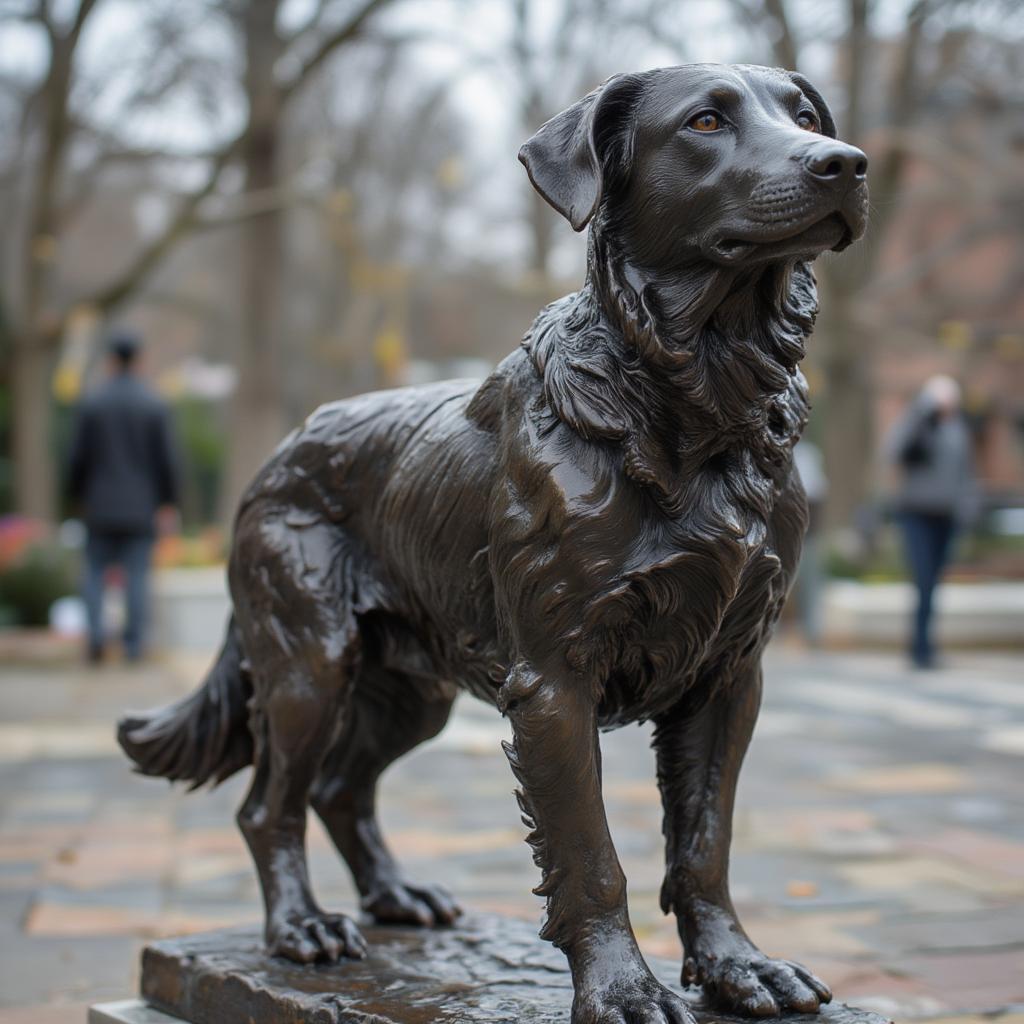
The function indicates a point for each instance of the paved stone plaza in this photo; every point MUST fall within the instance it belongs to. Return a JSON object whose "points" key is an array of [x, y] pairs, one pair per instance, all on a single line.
{"points": [[879, 833]]}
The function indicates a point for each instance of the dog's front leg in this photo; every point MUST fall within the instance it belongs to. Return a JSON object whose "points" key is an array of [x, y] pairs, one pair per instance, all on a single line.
{"points": [[557, 759], [699, 758]]}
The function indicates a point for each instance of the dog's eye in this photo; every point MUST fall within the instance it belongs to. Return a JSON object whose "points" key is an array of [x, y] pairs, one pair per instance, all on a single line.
{"points": [[708, 121], [806, 120]]}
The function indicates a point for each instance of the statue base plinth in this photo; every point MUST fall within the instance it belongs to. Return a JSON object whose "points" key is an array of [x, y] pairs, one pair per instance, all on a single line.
{"points": [[486, 969]]}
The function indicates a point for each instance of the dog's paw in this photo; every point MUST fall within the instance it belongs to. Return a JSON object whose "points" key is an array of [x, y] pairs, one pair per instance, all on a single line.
{"points": [[406, 903], [639, 1000], [316, 936], [756, 985]]}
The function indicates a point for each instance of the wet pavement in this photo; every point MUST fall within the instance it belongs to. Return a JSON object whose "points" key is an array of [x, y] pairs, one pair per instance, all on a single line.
{"points": [[879, 834]]}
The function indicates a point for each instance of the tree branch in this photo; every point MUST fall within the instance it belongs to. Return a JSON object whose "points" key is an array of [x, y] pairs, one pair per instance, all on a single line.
{"points": [[784, 45], [112, 294], [90, 176], [253, 204], [886, 179], [785, 51], [903, 96], [43, 16], [342, 34], [81, 17], [311, 24]]}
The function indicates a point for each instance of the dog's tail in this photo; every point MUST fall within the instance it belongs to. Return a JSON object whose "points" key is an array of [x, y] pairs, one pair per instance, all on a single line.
{"points": [[203, 737]]}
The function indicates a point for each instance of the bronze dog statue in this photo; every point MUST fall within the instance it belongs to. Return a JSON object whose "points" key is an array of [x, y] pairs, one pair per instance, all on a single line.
{"points": [[602, 532]]}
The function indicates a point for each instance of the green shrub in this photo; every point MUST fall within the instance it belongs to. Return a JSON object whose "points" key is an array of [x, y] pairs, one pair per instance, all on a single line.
{"points": [[29, 586]]}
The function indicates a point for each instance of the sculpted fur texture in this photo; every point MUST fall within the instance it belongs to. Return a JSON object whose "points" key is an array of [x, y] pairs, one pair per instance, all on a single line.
{"points": [[602, 532]]}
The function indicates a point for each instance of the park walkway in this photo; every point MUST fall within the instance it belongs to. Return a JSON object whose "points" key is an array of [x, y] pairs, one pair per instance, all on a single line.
{"points": [[879, 833]]}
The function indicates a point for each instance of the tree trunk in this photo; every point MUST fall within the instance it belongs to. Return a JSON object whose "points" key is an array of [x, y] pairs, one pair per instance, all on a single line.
{"points": [[848, 407], [35, 477], [259, 420], [32, 355], [541, 236]]}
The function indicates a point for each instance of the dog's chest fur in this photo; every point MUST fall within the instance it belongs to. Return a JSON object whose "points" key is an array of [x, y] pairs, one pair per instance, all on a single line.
{"points": [[700, 607], [640, 603], [652, 520]]}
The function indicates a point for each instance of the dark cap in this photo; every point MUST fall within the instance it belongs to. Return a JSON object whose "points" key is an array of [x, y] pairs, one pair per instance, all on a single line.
{"points": [[124, 345]]}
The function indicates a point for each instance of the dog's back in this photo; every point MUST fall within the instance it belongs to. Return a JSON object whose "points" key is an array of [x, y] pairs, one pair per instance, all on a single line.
{"points": [[340, 460], [400, 481]]}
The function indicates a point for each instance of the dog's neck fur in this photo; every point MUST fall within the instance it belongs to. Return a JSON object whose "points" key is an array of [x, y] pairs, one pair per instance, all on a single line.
{"points": [[692, 374]]}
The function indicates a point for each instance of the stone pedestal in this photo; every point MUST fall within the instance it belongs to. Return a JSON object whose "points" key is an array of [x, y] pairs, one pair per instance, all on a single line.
{"points": [[488, 969]]}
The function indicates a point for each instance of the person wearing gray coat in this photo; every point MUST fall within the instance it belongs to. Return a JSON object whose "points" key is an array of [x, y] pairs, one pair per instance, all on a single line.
{"points": [[937, 495], [123, 472]]}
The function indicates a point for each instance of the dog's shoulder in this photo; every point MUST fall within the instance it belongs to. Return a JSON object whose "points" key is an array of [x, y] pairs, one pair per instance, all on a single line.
{"points": [[486, 406], [501, 397]]}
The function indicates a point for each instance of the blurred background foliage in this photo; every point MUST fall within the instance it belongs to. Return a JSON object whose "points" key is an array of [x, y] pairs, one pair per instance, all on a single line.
{"points": [[298, 200]]}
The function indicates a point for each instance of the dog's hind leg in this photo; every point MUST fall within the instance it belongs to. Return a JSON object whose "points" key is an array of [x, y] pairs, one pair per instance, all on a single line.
{"points": [[302, 644], [391, 714], [699, 756]]}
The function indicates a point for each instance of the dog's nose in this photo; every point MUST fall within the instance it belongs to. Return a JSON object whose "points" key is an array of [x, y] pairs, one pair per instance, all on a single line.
{"points": [[837, 163]]}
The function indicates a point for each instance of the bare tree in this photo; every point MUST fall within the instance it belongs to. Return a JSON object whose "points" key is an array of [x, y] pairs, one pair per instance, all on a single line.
{"points": [[259, 416], [36, 177], [275, 63], [884, 84]]}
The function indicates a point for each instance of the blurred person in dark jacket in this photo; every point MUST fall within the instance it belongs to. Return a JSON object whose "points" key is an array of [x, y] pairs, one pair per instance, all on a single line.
{"points": [[936, 497], [123, 472]]}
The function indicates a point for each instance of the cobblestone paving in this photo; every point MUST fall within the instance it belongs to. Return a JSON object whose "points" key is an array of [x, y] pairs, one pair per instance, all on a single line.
{"points": [[879, 833]]}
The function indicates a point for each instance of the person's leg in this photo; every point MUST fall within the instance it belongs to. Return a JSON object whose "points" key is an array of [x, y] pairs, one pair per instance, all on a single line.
{"points": [[939, 541], [97, 557], [915, 534], [135, 557], [944, 542]]}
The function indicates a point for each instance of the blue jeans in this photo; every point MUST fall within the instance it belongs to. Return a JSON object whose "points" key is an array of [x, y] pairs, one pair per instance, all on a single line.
{"points": [[132, 553], [928, 539]]}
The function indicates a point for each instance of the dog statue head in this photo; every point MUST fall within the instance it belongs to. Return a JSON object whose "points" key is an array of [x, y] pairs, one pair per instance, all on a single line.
{"points": [[708, 190], [731, 165]]}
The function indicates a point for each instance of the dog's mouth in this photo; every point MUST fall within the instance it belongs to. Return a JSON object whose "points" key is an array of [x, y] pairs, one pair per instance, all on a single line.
{"points": [[830, 232]]}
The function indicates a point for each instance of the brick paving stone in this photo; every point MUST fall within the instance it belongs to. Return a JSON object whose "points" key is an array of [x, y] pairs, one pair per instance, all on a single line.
{"points": [[979, 849], [48, 919], [993, 1018], [893, 997], [813, 933], [195, 871], [93, 864], [993, 927], [931, 777], [86, 968], [973, 981], [74, 1013], [1006, 740], [842, 830], [905, 874], [423, 843], [889, 992], [58, 919]]}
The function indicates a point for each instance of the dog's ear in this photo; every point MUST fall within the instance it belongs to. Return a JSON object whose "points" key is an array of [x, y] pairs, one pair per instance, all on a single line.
{"points": [[828, 122], [563, 159]]}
